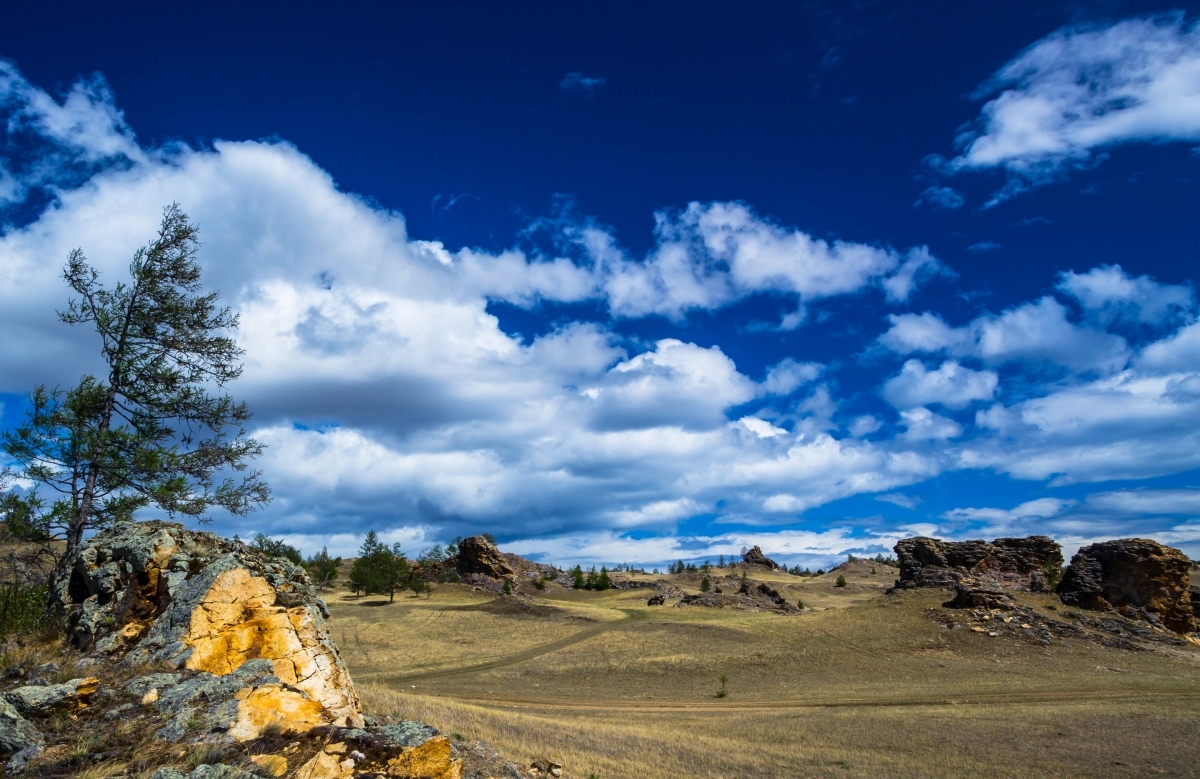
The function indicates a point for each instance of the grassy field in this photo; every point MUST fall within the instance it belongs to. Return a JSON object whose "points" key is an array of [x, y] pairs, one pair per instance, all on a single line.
{"points": [[859, 684]]}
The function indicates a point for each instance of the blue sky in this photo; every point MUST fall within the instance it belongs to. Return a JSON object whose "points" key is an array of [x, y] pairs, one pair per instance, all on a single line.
{"points": [[632, 283]]}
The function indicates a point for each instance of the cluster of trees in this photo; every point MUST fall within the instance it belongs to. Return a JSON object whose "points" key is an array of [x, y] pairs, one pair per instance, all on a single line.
{"points": [[382, 570], [591, 580], [796, 570], [679, 566]]}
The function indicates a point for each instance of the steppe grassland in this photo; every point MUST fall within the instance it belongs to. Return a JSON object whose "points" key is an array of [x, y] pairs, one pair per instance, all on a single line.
{"points": [[621, 689]]}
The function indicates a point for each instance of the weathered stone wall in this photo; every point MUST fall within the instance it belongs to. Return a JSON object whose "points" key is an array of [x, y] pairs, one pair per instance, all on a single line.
{"points": [[1134, 575]]}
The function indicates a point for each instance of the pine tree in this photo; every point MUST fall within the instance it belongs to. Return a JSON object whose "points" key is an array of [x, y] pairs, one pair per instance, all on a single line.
{"points": [[705, 584], [149, 433], [577, 577], [841, 581], [322, 568], [602, 581], [380, 570]]}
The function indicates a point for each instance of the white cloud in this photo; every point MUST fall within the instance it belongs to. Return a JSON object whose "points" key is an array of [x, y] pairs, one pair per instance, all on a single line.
{"points": [[941, 197], [1126, 426], [924, 425], [864, 424], [1042, 507], [762, 428], [1033, 332], [952, 385], [709, 256], [788, 375], [1150, 501], [1113, 294], [1177, 352], [900, 499], [1080, 90]]}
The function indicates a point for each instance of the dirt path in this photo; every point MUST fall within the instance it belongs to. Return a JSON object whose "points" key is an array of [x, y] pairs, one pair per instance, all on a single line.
{"points": [[630, 617], [979, 699]]}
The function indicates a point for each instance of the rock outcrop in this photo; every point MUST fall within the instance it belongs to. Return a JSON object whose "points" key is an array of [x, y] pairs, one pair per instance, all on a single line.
{"points": [[477, 555], [980, 596], [155, 592], [243, 661], [1015, 563], [756, 557], [1139, 577]]}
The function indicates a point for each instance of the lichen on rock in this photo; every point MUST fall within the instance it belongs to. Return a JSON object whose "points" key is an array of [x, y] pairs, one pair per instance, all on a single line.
{"points": [[155, 592]]}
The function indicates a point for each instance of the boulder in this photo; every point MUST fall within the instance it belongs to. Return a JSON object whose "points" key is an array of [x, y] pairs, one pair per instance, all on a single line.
{"points": [[1015, 563], [38, 700], [656, 600], [756, 557], [980, 596], [477, 555], [153, 592], [16, 732], [1134, 575]]}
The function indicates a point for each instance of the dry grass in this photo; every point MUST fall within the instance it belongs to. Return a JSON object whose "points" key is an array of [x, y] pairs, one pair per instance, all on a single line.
{"points": [[1078, 739], [863, 685]]}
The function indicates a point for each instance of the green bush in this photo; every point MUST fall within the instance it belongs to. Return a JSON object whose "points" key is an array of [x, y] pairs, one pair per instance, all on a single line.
{"points": [[705, 584], [23, 609], [841, 581]]}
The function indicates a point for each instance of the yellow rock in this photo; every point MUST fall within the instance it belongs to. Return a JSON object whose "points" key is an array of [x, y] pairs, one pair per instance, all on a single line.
{"points": [[273, 704], [150, 697], [272, 765], [338, 748], [430, 760], [237, 621], [88, 687], [322, 766]]}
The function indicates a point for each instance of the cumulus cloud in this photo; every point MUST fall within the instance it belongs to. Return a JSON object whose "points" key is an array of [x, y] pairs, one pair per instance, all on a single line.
{"points": [[924, 425], [1110, 293], [951, 385], [711, 255], [1039, 331], [390, 397], [1083, 89], [785, 377]]}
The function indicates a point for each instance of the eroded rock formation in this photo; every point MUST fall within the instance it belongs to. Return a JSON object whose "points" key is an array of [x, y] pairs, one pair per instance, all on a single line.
{"points": [[155, 592], [477, 555], [1015, 563], [1137, 576], [756, 557]]}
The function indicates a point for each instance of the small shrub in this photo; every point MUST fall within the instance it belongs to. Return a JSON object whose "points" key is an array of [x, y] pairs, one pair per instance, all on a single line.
{"points": [[799, 603], [841, 581], [722, 693], [540, 583], [458, 737], [507, 589], [1053, 575]]}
